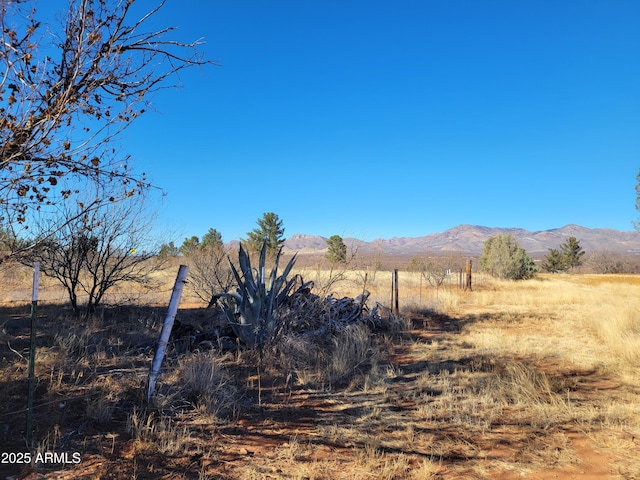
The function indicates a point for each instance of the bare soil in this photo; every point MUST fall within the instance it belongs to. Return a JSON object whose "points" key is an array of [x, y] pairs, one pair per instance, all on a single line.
{"points": [[295, 431]]}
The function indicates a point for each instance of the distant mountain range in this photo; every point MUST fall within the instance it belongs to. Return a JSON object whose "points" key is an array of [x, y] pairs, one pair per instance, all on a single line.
{"points": [[468, 239]]}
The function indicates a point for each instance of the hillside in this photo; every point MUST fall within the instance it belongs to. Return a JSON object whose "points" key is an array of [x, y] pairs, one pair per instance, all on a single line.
{"points": [[469, 239]]}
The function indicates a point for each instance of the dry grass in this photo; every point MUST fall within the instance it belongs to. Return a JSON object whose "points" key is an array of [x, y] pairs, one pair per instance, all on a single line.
{"points": [[603, 319], [511, 380]]}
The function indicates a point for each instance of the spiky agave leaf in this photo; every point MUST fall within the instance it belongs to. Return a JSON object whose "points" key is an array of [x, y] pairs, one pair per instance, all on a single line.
{"points": [[247, 271], [261, 263], [236, 275], [255, 319], [284, 293], [280, 293]]}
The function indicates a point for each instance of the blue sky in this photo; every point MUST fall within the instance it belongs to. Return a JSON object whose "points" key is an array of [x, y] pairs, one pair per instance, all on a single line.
{"points": [[380, 119]]}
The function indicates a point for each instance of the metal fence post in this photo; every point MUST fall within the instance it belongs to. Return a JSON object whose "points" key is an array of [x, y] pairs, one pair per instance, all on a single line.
{"points": [[32, 352]]}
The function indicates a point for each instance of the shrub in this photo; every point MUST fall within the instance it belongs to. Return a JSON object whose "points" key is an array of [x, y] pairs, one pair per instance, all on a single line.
{"points": [[503, 257]]}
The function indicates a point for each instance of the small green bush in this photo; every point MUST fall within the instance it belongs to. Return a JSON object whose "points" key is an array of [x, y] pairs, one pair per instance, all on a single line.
{"points": [[504, 258]]}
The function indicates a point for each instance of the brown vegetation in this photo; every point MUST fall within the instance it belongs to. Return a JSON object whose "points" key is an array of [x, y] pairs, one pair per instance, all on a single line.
{"points": [[534, 379]]}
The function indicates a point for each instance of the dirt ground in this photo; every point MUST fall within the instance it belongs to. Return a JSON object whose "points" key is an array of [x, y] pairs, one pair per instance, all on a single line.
{"points": [[299, 432]]}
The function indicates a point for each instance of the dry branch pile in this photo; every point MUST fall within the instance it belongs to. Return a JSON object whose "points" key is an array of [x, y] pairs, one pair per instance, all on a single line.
{"points": [[303, 314], [310, 314]]}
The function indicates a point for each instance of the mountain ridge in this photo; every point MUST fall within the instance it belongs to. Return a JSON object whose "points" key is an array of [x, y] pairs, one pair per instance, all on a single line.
{"points": [[469, 239]]}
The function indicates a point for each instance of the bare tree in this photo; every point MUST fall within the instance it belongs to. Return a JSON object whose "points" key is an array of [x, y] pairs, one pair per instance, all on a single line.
{"points": [[603, 261], [209, 272], [94, 252], [434, 269], [68, 90], [338, 272]]}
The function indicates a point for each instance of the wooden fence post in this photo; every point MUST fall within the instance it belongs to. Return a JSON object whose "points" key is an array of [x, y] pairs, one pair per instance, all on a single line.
{"points": [[161, 348], [32, 352], [468, 284], [395, 290]]}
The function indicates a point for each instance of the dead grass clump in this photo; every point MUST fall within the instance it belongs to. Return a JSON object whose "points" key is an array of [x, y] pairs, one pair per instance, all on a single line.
{"points": [[100, 408], [551, 450], [352, 351], [617, 324], [515, 383], [298, 460], [157, 433], [204, 382], [328, 360], [304, 355], [441, 301], [394, 324], [75, 342]]}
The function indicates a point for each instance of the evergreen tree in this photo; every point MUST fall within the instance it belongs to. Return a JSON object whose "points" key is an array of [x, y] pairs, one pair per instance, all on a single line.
{"points": [[503, 257], [168, 250], [212, 238], [189, 245], [554, 262], [572, 252], [269, 229], [337, 252], [529, 268]]}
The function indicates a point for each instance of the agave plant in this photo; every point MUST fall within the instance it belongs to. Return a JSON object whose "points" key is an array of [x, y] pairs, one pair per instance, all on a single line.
{"points": [[254, 317]]}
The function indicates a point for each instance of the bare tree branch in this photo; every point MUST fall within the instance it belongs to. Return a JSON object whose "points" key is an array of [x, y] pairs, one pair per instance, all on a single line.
{"points": [[66, 93]]}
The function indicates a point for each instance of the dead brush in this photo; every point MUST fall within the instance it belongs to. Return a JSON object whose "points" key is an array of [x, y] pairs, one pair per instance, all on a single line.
{"points": [[329, 360], [101, 408], [351, 352], [161, 433], [110, 394], [204, 381], [74, 342]]}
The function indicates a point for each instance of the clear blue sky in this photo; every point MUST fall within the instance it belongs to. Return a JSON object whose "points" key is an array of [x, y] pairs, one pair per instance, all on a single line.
{"points": [[380, 119]]}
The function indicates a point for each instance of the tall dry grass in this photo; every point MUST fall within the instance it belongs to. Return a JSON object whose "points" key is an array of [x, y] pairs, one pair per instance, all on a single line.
{"points": [[588, 320], [595, 324], [529, 364]]}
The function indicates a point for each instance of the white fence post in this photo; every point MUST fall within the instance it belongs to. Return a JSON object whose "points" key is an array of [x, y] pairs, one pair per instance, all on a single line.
{"points": [[161, 348]]}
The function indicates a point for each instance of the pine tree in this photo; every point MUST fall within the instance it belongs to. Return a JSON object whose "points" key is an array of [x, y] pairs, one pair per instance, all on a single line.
{"points": [[572, 252], [337, 252], [212, 238], [189, 245], [168, 250], [270, 229], [554, 262]]}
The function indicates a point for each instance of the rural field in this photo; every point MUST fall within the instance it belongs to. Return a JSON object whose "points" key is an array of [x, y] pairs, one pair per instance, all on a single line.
{"points": [[533, 379]]}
